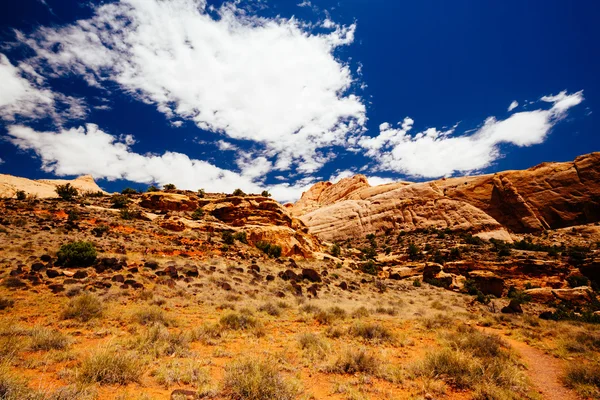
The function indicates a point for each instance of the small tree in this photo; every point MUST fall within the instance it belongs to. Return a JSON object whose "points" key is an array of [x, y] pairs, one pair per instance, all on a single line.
{"points": [[169, 186], [238, 192], [152, 188], [21, 195], [66, 191], [201, 193], [77, 254], [265, 193]]}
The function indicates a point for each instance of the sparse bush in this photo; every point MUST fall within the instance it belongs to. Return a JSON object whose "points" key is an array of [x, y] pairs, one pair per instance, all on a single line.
{"points": [[371, 332], [77, 254], [157, 341], [208, 334], [361, 312], [519, 295], [236, 322], [227, 237], [73, 215], [100, 230], [110, 366], [252, 379], [182, 372], [416, 282], [152, 188], [21, 195], [414, 252], [241, 237], [198, 214], [169, 186], [47, 339], [313, 344], [151, 315], [265, 193], [119, 201], [271, 250], [83, 308], [353, 361], [270, 309], [201, 193], [585, 379], [335, 250], [369, 268], [129, 191], [239, 192], [66, 192], [129, 214]]}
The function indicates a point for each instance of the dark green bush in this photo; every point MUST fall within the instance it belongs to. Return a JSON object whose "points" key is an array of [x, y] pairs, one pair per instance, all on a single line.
{"points": [[265, 193], [270, 249], [129, 191], [21, 195], [239, 192], [578, 280], [152, 189], [335, 250], [119, 201], [369, 268], [77, 254], [198, 214], [66, 191], [129, 214], [241, 237], [169, 186], [227, 237]]}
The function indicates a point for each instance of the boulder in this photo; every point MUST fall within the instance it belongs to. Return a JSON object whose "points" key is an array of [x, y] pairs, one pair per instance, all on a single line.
{"points": [[311, 275], [161, 201], [514, 307], [487, 282]]}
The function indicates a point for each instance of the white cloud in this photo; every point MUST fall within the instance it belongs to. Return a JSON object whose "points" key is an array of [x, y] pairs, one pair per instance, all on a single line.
{"points": [[89, 150], [377, 180], [434, 153], [513, 105], [270, 81], [1, 161], [305, 3], [226, 146], [339, 175], [21, 97]]}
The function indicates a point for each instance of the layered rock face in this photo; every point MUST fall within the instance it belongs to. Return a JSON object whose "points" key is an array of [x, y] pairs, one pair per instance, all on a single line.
{"points": [[44, 188], [262, 218], [548, 196]]}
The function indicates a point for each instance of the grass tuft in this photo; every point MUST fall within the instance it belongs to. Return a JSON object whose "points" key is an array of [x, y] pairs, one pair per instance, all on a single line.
{"points": [[252, 379], [110, 366], [83, 308]]}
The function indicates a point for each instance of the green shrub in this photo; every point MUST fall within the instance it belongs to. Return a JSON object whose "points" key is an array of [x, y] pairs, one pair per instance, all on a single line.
{"points": [[335, 250], [417, 282], [129, 191], [77, 254], [201, 193], [519, 295], [369, 268], [414, 252], [265, 193], [198, 214], [152, 188], [21, 195], [271, 250], [252, 379], [227, 237], [66, 191], [73, 215], [110, 366], [169, 186], [239, 192], [119, 201], [129, 214], [241, 237], [83, 308]]}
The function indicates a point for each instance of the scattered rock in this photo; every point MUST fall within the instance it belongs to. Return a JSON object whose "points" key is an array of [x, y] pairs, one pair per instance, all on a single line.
{"points": [[514, 307], [81, 274], [311, 275]]}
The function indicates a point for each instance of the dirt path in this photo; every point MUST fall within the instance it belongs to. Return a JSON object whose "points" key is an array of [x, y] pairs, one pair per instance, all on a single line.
{"points": [[543, 370]]}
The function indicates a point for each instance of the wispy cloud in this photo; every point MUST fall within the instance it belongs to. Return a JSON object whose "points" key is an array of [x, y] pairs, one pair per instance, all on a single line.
{"points": [[434, 153], [513, 105]]}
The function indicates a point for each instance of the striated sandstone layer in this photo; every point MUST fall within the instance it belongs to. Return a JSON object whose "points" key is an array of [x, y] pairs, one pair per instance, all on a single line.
{"points": [[44, 188], [262, 218], [548, 196]]}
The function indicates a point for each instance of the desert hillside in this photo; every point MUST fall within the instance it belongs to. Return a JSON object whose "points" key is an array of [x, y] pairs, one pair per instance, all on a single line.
{"points": [[176, 294]]}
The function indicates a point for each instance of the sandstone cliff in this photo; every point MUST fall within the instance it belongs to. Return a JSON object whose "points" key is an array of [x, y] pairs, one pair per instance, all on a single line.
{"points": [[44, 188], [548, 196]]}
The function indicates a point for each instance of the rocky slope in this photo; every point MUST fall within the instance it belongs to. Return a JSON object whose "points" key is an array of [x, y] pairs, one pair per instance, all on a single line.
{"points": [[548, 196], [44, 188]]}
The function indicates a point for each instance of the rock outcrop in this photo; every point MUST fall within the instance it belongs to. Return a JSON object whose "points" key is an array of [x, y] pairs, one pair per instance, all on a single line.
{"points": [[548, 196], [44, 188]]}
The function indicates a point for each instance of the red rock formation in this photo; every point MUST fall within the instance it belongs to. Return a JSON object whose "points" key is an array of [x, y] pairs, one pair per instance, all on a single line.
{"points": [[548, 196]]}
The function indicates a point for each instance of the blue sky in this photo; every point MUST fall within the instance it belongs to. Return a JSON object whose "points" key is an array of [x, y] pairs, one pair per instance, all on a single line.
{"points": [[282, 94]]}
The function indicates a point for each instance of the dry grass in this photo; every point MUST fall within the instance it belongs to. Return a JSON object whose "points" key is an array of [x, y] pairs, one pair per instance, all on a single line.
{"points": [[182, 372], [83, 308], [352, 361], [45, 339], [252, 379], [585, 379], [152, 315], [157, 341], [371, 332], [110, 366]]}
